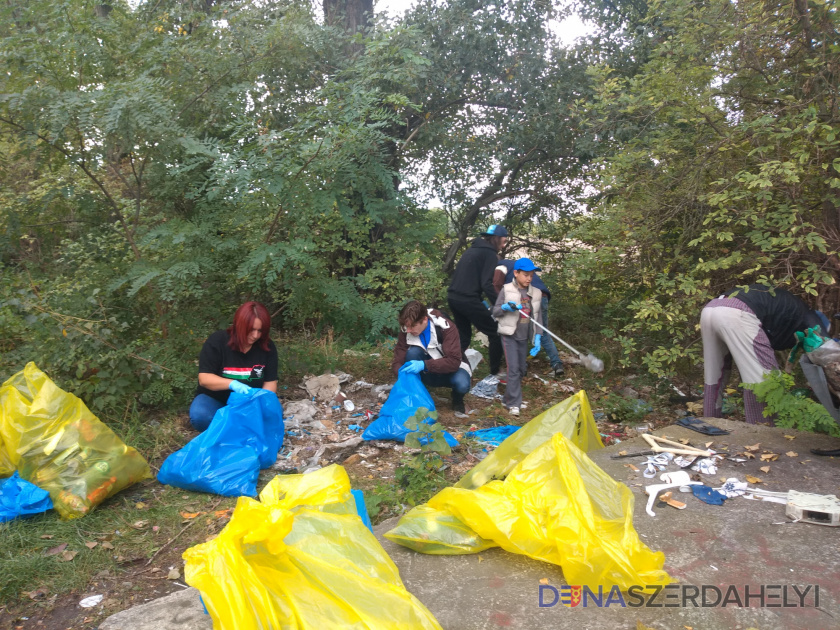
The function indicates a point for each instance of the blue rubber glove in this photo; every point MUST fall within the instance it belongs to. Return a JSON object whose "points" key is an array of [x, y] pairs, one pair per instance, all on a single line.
{"points": [[511, 306], [413, 367], [239, 388], [536, 348]]}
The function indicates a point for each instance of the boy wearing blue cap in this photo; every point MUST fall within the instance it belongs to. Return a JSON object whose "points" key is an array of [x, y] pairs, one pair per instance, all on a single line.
{"points": [[517, 301]]}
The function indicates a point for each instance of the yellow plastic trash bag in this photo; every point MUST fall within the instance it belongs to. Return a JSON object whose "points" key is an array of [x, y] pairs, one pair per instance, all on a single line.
{"points": [[286, 564], [437, 533], [572, 417], [55, 442], [558, 506], [6, 466]]}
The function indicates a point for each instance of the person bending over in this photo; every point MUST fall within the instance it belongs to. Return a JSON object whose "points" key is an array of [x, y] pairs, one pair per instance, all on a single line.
{"points": [[429, 345], [749, 326], [235, 359]]}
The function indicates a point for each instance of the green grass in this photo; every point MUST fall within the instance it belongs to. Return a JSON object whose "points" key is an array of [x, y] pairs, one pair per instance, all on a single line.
{"points": [[119, 521], [155, 433]]}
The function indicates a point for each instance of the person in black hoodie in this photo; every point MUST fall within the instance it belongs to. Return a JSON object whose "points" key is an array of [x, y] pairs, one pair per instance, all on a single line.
{"points": [[474, 276]]}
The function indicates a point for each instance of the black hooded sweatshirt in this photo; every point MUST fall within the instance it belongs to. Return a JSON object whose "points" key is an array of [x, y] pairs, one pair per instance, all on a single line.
{"points": [[474, 272]]}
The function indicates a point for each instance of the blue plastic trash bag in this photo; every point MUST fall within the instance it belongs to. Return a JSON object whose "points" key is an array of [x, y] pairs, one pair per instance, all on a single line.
{"points": [[495, 435], [19, 498], [244, 436], [361, 508], [407, 396]]}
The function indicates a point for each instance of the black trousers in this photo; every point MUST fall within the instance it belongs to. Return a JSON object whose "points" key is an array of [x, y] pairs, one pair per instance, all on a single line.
{"points": [[469, 312]]}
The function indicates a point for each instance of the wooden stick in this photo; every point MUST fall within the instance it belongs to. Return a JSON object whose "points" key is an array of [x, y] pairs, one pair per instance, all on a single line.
{"points": [[678, 449]]}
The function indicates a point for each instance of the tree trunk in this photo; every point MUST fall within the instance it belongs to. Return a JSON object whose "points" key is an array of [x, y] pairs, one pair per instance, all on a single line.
{"points": [[352, 15]]}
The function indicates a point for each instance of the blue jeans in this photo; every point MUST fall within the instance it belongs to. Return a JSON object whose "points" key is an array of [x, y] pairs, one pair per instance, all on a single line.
{"points": [[202, 410], [459, 380], [546, 341]]}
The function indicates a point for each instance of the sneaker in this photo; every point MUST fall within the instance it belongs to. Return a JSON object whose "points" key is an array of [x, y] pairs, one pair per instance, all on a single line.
{"points": [[458, 406], [514, 411], [523, 405], [559, 370]]}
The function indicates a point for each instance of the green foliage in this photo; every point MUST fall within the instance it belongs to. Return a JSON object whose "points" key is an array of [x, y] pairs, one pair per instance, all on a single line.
{"points": [[428, 437], [793, 411], [418, 485], [721, 169], [626, 410]]}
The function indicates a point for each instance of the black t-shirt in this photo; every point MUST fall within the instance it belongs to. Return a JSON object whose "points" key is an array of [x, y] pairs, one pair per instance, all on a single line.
{"points": [[253, 368], [781, 313]]}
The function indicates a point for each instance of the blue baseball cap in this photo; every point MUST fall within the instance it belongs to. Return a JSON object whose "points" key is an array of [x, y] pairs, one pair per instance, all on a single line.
{"points": [[525, 264], [496, 230]]}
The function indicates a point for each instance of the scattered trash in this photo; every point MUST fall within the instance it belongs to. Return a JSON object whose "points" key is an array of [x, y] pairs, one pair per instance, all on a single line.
{"points": [[668, 499], [486, 388], [61, 447], [656, 444], [494, 436], [656, 463], [20, 499], [90, 602], [679, 479], [381, 391], [474, 357], [299, 413], [708, 495], [700, 426], [323, 388], [243, 437], [813, 508], [284, 548], [355, 428], [733, 487], [348, 405]]}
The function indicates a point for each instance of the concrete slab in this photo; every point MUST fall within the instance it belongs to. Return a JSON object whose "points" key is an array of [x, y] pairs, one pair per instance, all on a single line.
{"points": [[740, 543], [181, 610]]}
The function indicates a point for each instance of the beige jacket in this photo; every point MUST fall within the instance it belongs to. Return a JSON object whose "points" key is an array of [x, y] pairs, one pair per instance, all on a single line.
{"points": [[508, 321]]}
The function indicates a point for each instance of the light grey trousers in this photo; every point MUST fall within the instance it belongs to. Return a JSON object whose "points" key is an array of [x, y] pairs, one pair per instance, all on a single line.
{"points": [[516, 353], [734, 333]]}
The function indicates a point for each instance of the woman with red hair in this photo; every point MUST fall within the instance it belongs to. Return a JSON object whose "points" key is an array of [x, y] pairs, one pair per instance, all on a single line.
{"points": [[235, 360]]}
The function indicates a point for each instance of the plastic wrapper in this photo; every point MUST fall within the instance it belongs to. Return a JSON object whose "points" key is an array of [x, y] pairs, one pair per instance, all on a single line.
{"points": [[19, 498], [827, 353], [56, 443], [557, 506], [301, 558], [406, 396], [243, 437], [572, 417]]}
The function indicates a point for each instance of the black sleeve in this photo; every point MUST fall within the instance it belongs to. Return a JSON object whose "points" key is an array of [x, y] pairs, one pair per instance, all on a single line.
{"points": [[487, 277], [210, 359], [271, 363]]}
